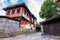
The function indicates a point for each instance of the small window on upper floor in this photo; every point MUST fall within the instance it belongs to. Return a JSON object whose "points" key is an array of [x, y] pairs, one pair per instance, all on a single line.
{"points": [[18, 10], [27, 14], [13, 11], [25, 11], [8, 12]]}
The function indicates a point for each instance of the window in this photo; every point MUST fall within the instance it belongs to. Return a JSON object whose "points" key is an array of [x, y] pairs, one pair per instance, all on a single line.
{"points": [[13, 11], [18, 10], [30, 18], [25, 12], [8, 12]]}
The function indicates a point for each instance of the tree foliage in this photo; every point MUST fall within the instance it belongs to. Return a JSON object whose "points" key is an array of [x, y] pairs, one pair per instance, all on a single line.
{"points": [[48, 9]]}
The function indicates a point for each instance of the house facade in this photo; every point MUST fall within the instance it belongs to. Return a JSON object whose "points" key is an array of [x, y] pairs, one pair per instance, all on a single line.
{"points": [[51, 26], [22, 13]]}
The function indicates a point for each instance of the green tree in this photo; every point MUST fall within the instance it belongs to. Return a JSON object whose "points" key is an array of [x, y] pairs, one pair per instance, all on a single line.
{"points": [[48, 9]]}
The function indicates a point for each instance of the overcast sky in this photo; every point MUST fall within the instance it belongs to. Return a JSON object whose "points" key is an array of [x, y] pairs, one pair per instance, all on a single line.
{"points": [[33, 5]]}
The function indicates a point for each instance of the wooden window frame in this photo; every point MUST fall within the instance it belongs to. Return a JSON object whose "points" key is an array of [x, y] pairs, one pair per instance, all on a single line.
{"points": [[18, 10], [8, 12], [13, 11]]}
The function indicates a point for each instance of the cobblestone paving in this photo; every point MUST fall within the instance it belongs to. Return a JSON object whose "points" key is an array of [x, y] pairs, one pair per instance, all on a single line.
{"points": [[36, 36]]}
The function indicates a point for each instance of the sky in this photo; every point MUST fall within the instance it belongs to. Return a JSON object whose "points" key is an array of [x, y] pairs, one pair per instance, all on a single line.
{"points": [[33, 5]]}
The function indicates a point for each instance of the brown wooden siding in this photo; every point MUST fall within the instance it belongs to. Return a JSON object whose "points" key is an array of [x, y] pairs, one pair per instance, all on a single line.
{"points": [[52, 29]]}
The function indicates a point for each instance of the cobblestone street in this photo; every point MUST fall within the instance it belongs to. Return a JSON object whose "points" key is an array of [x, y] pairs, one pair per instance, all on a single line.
{"points": [[36, 36]]}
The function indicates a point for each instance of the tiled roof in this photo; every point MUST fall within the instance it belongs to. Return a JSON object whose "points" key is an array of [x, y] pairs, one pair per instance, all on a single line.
{"points": [[52, 19], [9, 18], [20, 5]]}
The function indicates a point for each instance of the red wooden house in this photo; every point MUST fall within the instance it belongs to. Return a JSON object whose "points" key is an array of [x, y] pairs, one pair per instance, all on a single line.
{"points": [[22, 13]]}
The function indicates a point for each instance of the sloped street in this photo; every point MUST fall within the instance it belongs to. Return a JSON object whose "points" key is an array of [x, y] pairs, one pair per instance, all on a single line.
{"points": [[35, 36]]}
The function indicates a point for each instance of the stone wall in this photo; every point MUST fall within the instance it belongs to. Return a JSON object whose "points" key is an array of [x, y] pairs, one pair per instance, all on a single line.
{"points": [[9, 25]]}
